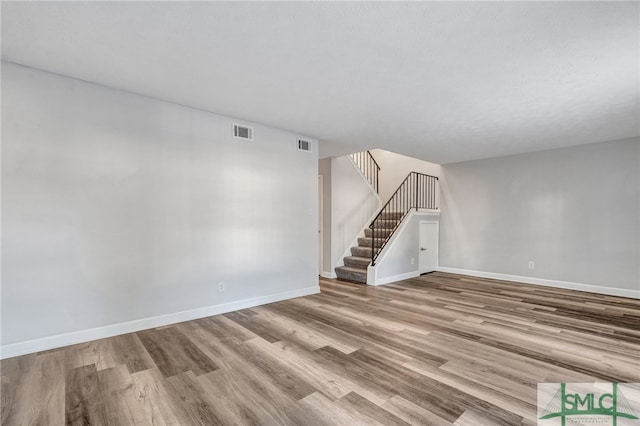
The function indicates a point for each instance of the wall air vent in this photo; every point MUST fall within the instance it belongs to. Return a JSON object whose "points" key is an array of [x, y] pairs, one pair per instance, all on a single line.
{"points": [[304, 145], [242, 132]]}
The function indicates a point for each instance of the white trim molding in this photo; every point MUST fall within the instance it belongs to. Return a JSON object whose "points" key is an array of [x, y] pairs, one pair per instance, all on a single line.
{"points": [[391, 279], [81, 336], [612, 291]]}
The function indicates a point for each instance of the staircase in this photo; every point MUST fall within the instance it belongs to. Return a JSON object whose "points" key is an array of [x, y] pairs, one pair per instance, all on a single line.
{"points": [[355, 266], [417, 191]]}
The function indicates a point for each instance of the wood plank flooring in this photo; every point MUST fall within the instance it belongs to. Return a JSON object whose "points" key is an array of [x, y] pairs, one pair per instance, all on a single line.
{"points": [[440, 349]]}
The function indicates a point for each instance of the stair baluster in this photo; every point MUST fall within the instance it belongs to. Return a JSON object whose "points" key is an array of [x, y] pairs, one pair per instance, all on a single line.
{"points": [[416, 191]]}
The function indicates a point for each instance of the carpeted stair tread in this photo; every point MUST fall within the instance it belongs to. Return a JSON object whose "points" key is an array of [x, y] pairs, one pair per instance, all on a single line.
{"points": [[367, 241], [357, 261], [380, 232], [386, 223], [351, 274], [391, 215], [361, 251]]}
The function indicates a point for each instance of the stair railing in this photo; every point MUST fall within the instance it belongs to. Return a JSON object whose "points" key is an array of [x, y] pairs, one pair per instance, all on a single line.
{"points": [[418, 191], [368, 166]]}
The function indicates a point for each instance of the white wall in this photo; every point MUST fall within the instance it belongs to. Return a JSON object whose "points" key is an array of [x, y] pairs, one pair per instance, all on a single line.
{"points": [[117, 207], [353, 203], [394, 168], [575, 212], [395, 261]]}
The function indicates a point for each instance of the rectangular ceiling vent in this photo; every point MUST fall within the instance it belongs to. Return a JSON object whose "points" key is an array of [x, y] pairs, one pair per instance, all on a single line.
{"points": [[304, 145], [242, 132]]}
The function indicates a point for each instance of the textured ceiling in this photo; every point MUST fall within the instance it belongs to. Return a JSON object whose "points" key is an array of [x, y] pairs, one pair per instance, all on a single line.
{"points": [[441, 81]]}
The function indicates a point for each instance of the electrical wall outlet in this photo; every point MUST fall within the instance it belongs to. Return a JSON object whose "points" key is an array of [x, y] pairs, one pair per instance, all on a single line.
{"points": [[413, 260], [532, 264], [221, 286]]}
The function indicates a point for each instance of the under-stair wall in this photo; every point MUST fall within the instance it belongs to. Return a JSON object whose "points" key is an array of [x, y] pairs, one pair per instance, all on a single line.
{"points": [[400, 259]]}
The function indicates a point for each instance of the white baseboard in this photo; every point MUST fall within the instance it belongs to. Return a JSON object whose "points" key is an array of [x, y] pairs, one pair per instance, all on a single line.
{"points": [[635, 294], [81, 336], [394, 278], [330, 275]]}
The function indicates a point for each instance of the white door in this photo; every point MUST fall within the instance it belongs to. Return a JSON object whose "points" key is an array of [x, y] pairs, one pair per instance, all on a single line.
{"points": [[320, 220], [428, 260]]}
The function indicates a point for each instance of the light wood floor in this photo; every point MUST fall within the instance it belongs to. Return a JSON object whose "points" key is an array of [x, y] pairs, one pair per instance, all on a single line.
{"points": [[436, 350]]}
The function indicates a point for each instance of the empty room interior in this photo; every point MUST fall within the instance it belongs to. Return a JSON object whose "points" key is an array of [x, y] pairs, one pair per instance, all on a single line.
{"points": [[320, 213]]}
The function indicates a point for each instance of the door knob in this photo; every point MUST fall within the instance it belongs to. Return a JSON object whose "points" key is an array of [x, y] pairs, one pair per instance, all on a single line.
{"points": [[423, 249]]}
